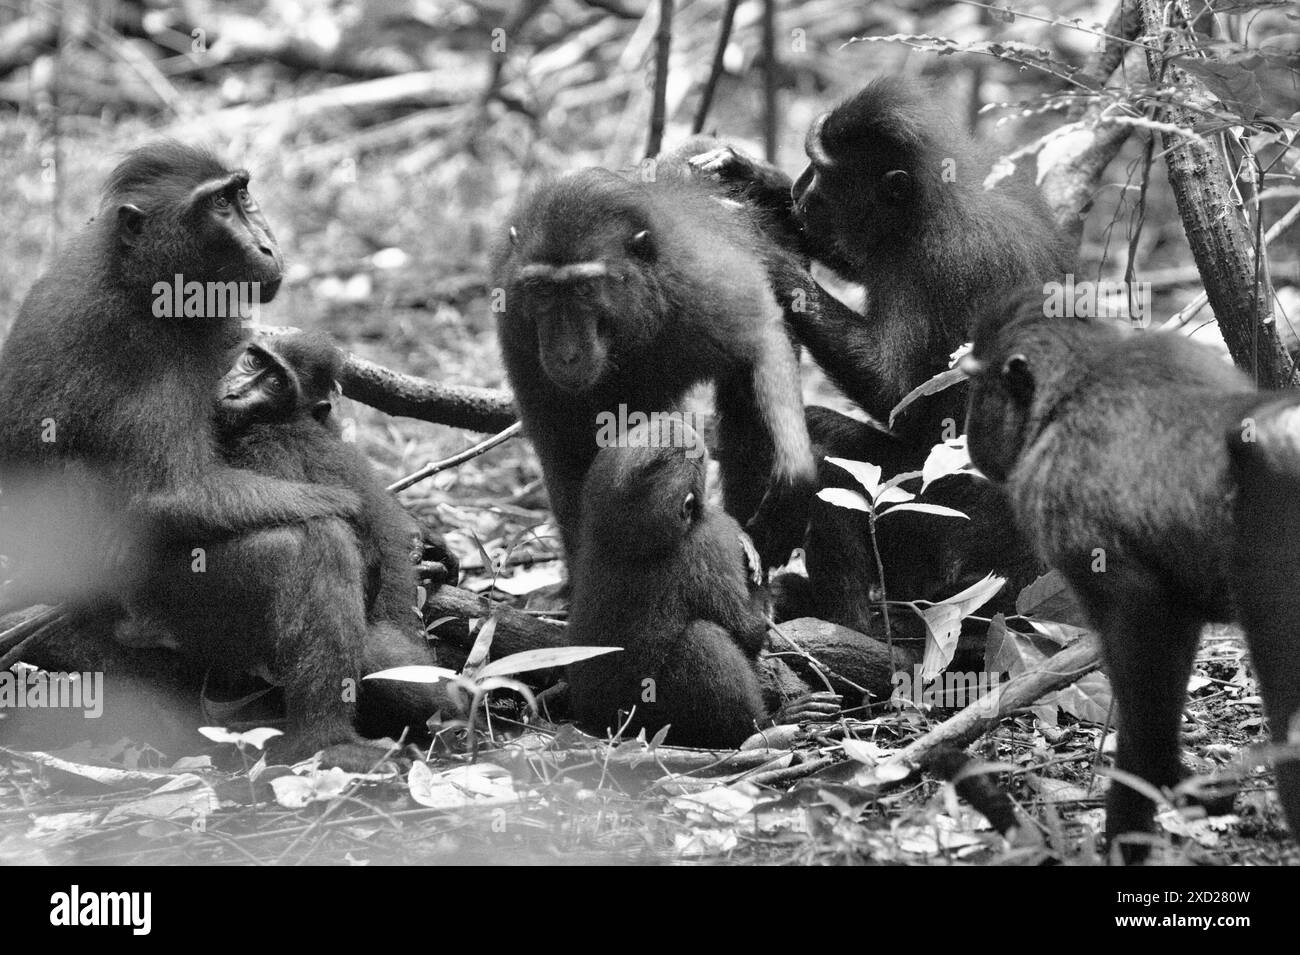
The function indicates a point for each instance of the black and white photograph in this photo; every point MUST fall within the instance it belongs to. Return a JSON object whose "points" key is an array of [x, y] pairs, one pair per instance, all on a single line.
{"points": [[655, 433]]}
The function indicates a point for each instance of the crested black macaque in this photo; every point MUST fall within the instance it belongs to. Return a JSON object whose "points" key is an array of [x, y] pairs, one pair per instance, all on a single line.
{"points": [[1111, 449], [276, 416], [619, 296], [99, 378], [92, 360], [893, 200], [1265, 452], [663, 575]]}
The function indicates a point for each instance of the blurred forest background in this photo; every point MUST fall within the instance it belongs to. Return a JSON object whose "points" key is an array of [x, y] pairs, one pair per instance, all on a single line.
{"points": [[389, 138]]}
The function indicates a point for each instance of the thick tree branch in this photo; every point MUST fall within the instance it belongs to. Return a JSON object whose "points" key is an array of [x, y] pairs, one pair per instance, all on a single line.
{"points": [[459, 406]]}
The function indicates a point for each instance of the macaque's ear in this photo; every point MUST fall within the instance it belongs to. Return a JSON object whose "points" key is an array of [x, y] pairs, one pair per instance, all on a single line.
{"points": [[898, 185], [1018, 379], [130, 222], [802, 184], [642, 245]]}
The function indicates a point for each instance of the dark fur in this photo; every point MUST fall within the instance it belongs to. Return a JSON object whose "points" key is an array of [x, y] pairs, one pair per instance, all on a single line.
{"points": [[667, 582], [927, 251], [1113, 444], [295, 435], [286, 440], [289, 598], [131, 394], [690, 303], [1266, 565]]}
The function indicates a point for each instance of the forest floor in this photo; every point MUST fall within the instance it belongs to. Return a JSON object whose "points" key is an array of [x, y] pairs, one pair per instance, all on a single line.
{"points": [[541, 793]]}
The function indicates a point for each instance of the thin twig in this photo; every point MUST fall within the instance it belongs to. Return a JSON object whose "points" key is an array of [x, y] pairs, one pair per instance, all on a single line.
{"points": [[429, 470], [769, 80], [880, 575], [659, 108], [715, 71]]}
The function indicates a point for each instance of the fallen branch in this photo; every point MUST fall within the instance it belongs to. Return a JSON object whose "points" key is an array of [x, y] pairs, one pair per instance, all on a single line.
{"points": [[35, 623], [516, 631], [854, 663], [460, 406], [429, 88], [1055, 673]]}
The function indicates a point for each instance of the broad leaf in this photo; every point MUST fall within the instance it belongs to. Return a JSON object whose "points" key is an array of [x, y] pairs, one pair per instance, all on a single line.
{"points": [[414, 674], [543, 659], [478, 654], [976, 595], [1050, 598], [898, 479], [951, 457], [868, 475], [1007, 651], [942, 631], [1235, 85], [1061, 634], [257, 738], [893, 495], [1088, 699], [534, 578], [864, 752], [936, 509], [943, 623], [844, 498], [940, 382]]}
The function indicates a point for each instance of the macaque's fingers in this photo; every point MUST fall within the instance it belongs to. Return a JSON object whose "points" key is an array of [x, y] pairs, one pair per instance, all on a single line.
{"points": [[819, 707], [717, 161]]}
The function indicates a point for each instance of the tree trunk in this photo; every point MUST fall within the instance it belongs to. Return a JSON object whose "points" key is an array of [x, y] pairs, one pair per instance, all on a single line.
{"points": [[1216, 230]]}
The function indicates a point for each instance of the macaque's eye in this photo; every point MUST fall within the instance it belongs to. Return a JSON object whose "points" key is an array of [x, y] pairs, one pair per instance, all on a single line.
{"points": [[690, 508], [641, 244], [276, 383], [897, 185], [1018, 379], [221, 202]]}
